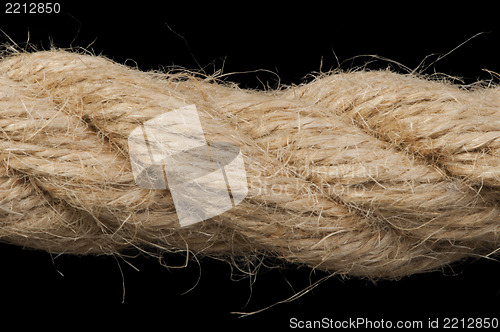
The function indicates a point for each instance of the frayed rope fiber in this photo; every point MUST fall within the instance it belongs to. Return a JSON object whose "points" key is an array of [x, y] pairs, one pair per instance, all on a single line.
{"points": [[363, 173]]}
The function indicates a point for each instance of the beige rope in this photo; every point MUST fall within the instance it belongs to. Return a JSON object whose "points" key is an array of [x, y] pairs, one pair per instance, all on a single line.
{"points": [[365, 173]]}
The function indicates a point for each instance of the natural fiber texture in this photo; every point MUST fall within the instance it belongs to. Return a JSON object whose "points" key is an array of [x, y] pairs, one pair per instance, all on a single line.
{"points": [[364, 173]]}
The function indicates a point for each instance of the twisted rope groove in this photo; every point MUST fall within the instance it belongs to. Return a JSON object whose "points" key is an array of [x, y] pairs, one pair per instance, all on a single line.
{"points": [[367, 173]]}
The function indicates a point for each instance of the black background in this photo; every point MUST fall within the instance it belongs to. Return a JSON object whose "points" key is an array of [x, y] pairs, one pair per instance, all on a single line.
{"points": [[273, 45]]}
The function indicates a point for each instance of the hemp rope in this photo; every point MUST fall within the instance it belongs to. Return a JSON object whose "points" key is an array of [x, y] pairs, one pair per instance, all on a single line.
{"points": [[364, 173]]}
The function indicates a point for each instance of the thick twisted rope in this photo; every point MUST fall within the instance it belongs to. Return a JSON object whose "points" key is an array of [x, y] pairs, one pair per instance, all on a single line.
{"points": [[367, 173]]}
